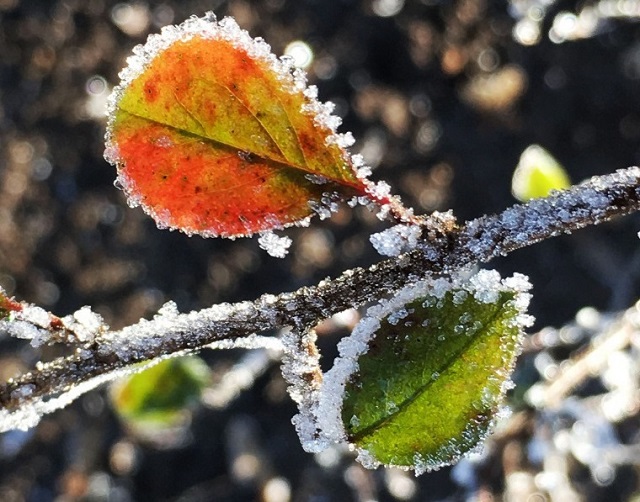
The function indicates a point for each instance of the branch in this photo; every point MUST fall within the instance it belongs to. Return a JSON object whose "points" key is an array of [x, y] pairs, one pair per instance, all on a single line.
{"points": [[444, 248]]}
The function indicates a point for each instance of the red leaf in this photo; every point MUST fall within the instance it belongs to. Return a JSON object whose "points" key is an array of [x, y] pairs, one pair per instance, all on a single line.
{"points": [[213, 135]]}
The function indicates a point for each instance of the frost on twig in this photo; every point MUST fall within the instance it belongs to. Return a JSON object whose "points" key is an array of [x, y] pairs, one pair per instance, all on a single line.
{"points": [[301, 370], [443, 248], [397, 239], [114, 354], [30, 322]]}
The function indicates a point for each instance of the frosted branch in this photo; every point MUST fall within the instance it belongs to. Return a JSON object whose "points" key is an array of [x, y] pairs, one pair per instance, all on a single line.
{"points": [[442, 248]]}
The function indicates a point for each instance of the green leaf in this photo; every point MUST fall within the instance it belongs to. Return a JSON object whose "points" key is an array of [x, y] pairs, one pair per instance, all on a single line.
{"points": [[159, 396], [434, 376], [537, 173]]}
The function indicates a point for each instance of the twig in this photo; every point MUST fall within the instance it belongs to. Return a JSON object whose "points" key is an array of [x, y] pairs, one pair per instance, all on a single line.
{"points": [[440, 250]]}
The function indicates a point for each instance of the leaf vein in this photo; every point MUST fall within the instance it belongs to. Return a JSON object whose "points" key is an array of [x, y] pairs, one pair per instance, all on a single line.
{"points": [[420, 390]]}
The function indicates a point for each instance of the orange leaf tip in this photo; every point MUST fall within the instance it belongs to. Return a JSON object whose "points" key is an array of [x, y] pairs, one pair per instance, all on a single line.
{"points": [[213, 135]]}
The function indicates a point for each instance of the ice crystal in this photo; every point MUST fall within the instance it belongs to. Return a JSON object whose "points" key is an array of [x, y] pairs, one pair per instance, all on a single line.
{"points": [[248, 342], [85, 324], [277, 247], [396, 240], [36, 324]]}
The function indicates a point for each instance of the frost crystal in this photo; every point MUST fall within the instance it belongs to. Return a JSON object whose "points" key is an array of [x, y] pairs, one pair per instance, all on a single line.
{"points": [[277, 247], [85, 324], [325, 207], [248, 342], [40, 327], [397, 239], [301, 370]]}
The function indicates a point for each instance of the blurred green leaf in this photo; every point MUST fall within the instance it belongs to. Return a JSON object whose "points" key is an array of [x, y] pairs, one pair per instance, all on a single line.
{"points": [[160, 395], [537, 173], [432, 382]]}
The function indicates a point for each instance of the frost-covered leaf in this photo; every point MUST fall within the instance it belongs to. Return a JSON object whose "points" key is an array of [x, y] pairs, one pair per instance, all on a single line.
{"points": [[157, 397], [212, 134], [424, 374], [537, 173], [433, 378]]}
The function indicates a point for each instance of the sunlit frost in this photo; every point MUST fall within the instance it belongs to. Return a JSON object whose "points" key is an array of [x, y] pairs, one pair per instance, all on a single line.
{"points": [[396, 240], [276, 246]]}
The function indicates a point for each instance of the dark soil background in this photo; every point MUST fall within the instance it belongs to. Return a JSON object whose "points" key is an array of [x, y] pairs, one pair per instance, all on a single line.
{"points": [[442, 102]]}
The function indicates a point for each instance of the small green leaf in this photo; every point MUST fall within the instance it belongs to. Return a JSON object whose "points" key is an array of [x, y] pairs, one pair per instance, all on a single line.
{"points": [[434, 376], [159, 396], [537, 173]]}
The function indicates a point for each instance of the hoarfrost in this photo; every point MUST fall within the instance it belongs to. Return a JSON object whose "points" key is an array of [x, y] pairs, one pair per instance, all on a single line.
{"points": [[85, 324], [248, 342], [40, 327], [139, 340], [320, 209], [395, 317], [34, 315], [396, 240], [25, 330], [343, 140], [301, 370], [278, 247], [380, 190]]}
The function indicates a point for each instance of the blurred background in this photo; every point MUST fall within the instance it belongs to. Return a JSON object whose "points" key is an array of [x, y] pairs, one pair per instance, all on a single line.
{"points": [[442, 98]]}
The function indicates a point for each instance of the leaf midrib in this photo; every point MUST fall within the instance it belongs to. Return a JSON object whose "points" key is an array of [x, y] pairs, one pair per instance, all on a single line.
{"points": [[288, 164], [283, 160], [442, 370]]}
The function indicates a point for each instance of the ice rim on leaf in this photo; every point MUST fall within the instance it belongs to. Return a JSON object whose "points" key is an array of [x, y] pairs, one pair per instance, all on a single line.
{"points": [[308, 183], [508, 298]]}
